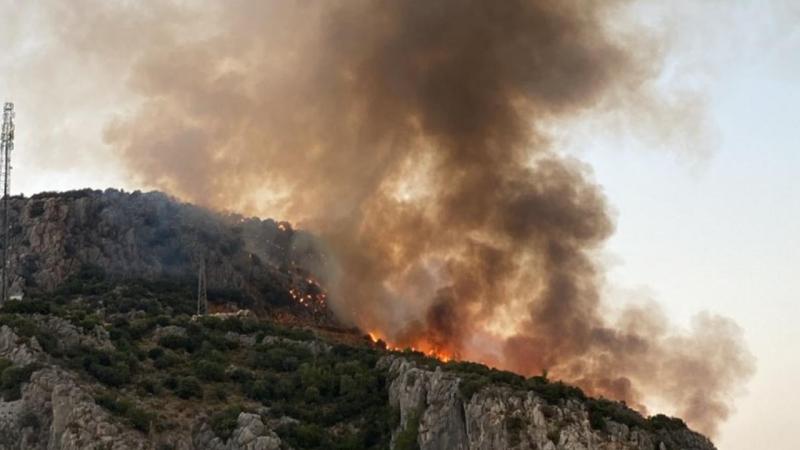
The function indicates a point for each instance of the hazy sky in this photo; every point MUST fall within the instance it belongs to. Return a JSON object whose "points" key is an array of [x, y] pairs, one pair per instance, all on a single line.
{"points": [[708, 222]]}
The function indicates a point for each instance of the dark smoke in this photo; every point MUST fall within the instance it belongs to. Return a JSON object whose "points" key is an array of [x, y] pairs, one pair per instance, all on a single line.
{"points": [[408, 134]]}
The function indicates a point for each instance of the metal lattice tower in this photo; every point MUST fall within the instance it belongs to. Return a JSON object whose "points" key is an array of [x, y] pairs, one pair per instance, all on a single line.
{"points": [[202, 294], [6, 146]]}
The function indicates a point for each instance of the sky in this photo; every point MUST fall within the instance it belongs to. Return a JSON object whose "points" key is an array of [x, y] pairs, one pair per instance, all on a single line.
{"points": [[719, 231], [705, 220]]}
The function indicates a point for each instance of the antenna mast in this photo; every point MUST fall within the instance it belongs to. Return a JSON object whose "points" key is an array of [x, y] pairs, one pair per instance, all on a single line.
{"points": [[6, 146], [202, 295]]}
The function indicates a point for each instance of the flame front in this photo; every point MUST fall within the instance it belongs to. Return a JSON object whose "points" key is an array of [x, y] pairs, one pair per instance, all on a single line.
{"points": [[420, 345]]}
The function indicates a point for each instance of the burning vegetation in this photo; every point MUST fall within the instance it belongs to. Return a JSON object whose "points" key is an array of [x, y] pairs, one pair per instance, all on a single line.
{"points": [[411, 138]]}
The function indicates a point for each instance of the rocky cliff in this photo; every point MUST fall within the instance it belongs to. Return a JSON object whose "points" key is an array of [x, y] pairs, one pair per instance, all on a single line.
{"points": [[432, 404]]}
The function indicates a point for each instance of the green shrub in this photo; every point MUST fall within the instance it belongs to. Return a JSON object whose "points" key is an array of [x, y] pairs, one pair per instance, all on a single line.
{"points": [[177, 342], [221, 393], [149, 386], [209, 371], [26, 307], [241, 375], [312, 394], [556, 392], [224, 422], [407, 438], [48, 342], [596, 420], [662, 422], [166, 360], [12, 378], [189, 387], [136, 417], [110, 368], [21, 325], [514, 426], [305, 435], [601, 409], [155, 353], [471, 384]]}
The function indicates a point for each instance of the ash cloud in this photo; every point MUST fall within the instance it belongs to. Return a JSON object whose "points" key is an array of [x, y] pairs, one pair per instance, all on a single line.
{"points": [[408, 136]]}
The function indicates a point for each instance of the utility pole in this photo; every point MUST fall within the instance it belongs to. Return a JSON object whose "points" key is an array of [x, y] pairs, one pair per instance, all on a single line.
{"points": [[6, 146], [202, 294]]}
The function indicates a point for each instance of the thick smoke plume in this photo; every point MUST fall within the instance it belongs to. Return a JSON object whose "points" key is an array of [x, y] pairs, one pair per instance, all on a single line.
{"points": [[408, 135]]}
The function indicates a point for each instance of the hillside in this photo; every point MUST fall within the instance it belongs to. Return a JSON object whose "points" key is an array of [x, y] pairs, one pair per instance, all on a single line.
{"points": [[103, 350], [249, 262]]}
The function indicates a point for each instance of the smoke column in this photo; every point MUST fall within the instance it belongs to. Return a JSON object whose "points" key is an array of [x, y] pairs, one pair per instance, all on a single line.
{"points": [[409, 136]]}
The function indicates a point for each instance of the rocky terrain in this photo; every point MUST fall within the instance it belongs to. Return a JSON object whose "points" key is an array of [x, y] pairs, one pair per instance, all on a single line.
{"points": [[152, 236], [500, 416], [104, 352]]}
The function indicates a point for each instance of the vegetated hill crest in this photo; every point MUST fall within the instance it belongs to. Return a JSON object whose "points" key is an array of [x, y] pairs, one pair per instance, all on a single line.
{"points": [[248, 261]]}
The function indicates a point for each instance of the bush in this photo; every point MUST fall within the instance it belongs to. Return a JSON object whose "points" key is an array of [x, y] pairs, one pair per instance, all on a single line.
{"points": [[407, 439], [26, 307], [155, 353], [189, 387], [149, 386], [470, 385], [22, 326], [596, 420], [662, 422], [166, 360], [305, 435], [600, 409], [11, 381], [177, 342], [209, 371], [48, 341], [554, 393], [138, 418], [224, 422], [111, 369], [514, 427]]}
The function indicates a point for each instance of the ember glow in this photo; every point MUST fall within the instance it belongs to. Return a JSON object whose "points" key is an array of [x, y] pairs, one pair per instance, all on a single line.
{"points": [[310, 294]]}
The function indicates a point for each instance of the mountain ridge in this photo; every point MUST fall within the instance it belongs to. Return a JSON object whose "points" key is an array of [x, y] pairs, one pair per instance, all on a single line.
{"points": [[104, 351]]}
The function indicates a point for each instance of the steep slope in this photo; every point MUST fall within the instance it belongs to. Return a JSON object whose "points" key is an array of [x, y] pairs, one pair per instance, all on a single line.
{"points": [[152, 236], [104, 363]]}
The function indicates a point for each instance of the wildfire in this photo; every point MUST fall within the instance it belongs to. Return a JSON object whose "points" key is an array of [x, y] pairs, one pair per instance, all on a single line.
{"points": [[310, 294], [421, 346]]}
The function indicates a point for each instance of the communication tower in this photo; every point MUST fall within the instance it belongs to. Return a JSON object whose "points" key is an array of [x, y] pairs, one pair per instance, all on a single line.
{"points": [[202, 294], [6, 146]]}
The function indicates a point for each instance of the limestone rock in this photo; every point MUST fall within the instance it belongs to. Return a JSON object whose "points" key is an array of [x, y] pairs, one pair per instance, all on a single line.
{"points": [[250, 434], [498, 417]]}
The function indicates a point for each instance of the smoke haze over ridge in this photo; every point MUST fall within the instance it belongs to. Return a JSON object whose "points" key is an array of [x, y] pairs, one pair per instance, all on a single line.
{"points": [[409, 136]]}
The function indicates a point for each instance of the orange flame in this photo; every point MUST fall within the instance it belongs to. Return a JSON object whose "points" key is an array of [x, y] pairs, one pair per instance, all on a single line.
{"points": [[421, 345]]}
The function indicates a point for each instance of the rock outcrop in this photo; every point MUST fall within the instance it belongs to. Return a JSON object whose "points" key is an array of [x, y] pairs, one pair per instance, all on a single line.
{"points": [[250, 434], [58, 412], [499, 417]]}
